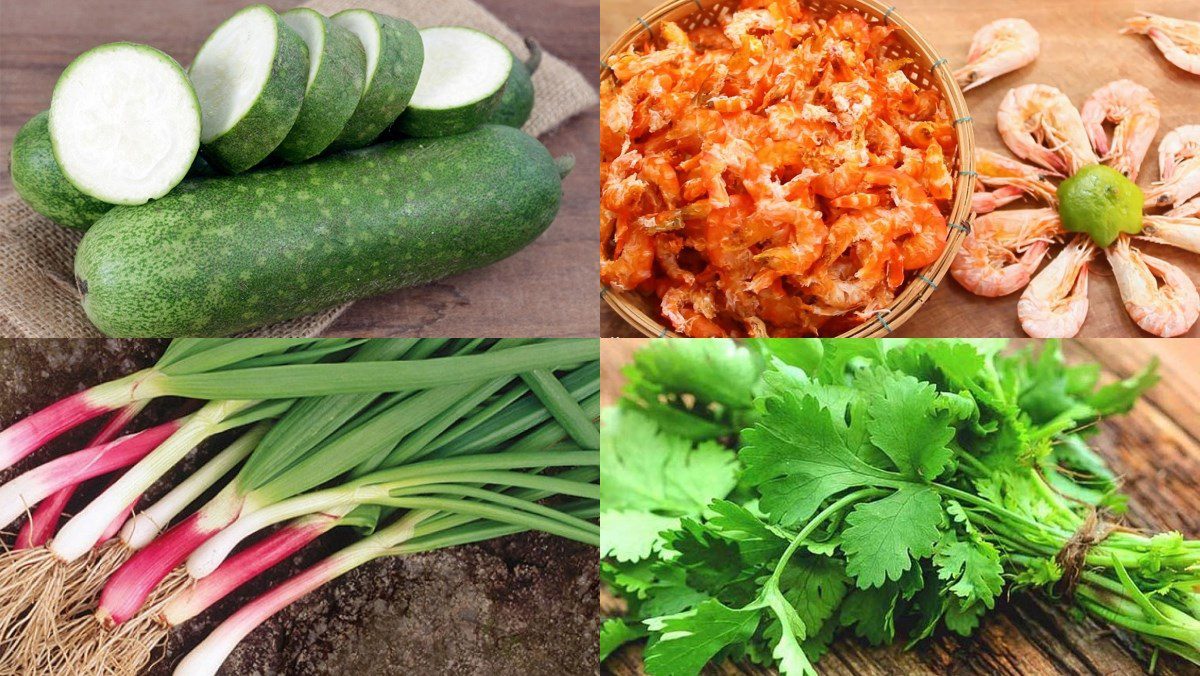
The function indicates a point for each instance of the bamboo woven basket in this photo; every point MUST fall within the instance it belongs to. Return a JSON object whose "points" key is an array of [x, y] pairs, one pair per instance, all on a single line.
{"points": [[927, 69]]}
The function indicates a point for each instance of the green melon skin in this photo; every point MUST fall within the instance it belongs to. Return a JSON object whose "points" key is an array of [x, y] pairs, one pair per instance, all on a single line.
{"points": [[420, 122], [334, 95], [227, 254], [516, 103], [427, 123], [269, 120], [401, 56], [40, 182]]}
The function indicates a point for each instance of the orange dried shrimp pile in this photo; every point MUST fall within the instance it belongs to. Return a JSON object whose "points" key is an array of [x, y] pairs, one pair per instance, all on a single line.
{"points": [[774, 176]]}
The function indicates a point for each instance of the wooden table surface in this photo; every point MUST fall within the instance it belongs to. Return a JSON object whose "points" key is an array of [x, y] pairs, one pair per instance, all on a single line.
{"points": [[544, 290], [1081, 51], [1156, 448]]}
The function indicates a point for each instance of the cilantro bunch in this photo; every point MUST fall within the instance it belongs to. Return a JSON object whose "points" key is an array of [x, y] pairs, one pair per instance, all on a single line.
{"points": [[760, 498]]}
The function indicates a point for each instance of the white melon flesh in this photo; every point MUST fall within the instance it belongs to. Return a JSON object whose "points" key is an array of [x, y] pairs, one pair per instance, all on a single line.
{"points": [[462, 66], [125, 123], [232, 68], [309, 27]]}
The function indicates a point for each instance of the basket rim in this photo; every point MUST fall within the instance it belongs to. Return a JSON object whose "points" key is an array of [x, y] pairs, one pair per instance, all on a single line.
{"points": [[920, 287]]}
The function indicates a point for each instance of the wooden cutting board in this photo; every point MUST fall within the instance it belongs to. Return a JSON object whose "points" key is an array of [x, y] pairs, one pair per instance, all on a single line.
{"points": [[1156, 448], [1081, 51]]}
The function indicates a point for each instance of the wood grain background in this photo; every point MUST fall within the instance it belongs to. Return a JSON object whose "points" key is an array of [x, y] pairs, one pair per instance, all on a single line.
{"points": [[1081, 51], [1156, 448], [545, 290]]}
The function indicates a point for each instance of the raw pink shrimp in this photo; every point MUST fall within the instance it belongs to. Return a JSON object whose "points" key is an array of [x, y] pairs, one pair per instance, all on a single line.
{"points": [[1178, 40], [997, 171], [1040, 124], [1176, 231], [1055, 304], [985, 202], [1186, 210], [997, 49], [1003, 250], [1178, 167], [1165, 310], [1136, 113]]}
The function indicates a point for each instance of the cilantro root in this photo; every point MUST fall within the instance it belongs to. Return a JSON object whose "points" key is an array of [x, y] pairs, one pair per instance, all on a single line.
{"points": [[762, 498]]}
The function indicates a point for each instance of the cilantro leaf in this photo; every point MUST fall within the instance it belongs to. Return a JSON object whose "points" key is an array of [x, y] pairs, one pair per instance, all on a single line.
{"points": [[711, 563], [802, 353], [758, 542], [645, 468], [974, 566], [844, 353], [883, 537], [814, 585], [688, 641], [1073, 469], [1040, 572], [788, 652], [615, 632], [1050, 388], [678, 421], [906, 425], [670, 598], [1120, 396], [629, 535], [872, 613], [650, 479], [798, 457], [634, 580], [962, 618], [693, 388], [781, 378]]}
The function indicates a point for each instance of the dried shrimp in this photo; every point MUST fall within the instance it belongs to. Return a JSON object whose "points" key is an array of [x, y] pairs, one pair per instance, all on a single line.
{"points": [[779, 174]]}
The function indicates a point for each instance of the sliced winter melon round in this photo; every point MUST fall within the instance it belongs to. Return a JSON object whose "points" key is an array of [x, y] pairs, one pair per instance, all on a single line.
{"points": [[394, 60], [516, 104], [250, 77], [40, 182], [463, 79], [337, 71], [124, 123]]}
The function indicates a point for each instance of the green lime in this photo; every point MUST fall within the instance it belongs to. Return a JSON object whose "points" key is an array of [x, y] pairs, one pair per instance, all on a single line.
{"points": [[1101, 202]]}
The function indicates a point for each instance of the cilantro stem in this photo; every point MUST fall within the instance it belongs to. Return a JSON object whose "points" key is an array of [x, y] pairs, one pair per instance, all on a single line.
{"points": [[981, 470], [817, 520], [1013, 538], [1051, 497], [1099, 556], [996, 509], [1162, 605], [1123, 616], [1184, 651]]}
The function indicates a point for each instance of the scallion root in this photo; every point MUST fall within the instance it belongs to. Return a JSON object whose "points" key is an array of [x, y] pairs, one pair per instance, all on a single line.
{"points": [[28, 578], [47, 645], [129, 647]]}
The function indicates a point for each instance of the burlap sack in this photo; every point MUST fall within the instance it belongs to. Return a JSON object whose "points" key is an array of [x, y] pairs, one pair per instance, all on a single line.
{"points": [[37, 294]]}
